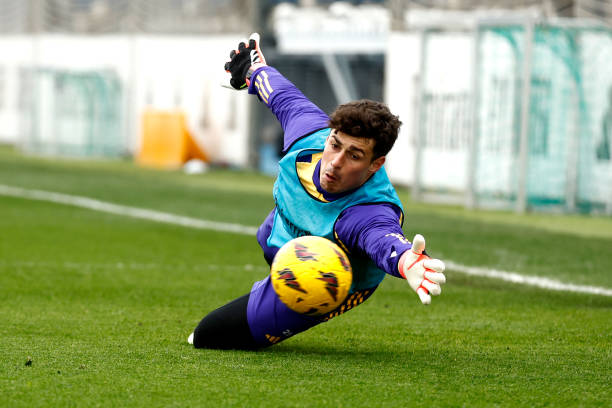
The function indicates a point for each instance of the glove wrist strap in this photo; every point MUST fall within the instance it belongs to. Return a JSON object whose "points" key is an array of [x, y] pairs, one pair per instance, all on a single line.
{"points": [[401, 267], [251, 71]]}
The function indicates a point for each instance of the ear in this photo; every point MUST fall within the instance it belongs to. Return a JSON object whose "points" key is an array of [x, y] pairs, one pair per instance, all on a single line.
{"points": [[377, 164]]}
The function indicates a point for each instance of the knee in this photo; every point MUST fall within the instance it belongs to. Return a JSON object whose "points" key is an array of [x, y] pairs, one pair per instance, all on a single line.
{"points": [[204, 333]]}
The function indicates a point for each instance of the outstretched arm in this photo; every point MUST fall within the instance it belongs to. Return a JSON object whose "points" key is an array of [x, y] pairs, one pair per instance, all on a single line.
{"points": [[297, 115], [375, 231]]}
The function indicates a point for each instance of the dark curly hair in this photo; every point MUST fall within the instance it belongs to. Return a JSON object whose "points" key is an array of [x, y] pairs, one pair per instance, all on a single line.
{"points": [[368, 119]]}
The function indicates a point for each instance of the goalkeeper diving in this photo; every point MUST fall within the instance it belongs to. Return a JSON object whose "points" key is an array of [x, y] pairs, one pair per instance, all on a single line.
{"points": [[332, 184]]}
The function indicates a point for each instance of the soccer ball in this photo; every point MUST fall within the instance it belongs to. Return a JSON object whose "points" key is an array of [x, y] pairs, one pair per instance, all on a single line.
{"points": [[311, 275]]}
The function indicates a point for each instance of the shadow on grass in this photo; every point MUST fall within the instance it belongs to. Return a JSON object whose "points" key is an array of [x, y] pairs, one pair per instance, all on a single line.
{"points": [[324, 351], [328, 351]]}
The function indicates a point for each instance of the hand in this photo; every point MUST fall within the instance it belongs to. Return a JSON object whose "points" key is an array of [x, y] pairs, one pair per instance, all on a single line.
{"points": [[424, 275], [244, 61]]}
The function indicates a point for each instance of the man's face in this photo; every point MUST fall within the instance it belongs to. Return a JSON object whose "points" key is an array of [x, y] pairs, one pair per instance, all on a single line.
{"points": [[347, 162]]}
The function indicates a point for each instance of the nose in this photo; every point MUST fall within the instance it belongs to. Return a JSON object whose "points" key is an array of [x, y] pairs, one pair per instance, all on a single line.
{"points": [[337, 160]]}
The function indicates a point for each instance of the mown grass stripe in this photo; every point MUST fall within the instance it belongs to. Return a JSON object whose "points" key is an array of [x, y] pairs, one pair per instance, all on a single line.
{"points": [[152, 215]]}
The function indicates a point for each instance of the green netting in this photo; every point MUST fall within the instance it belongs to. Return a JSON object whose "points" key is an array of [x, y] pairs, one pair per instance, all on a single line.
{"points": [[75, 114], [569, 127]]}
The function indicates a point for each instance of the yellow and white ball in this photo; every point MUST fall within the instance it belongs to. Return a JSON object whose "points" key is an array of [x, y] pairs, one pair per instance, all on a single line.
{"points": [[311, 275]]}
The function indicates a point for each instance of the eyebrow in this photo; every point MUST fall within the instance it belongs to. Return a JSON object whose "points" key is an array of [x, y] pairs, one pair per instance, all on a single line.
{"points": [[352, 148]]}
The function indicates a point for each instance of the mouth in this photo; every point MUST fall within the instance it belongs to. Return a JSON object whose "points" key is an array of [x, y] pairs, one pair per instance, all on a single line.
{"points": [[330, 177]]}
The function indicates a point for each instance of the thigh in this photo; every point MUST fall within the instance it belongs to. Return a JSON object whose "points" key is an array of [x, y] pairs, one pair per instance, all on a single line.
{"points": [[270, 320]]}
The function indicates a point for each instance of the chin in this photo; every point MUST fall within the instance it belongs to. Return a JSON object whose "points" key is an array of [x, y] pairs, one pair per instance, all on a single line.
{"points": [[329, 189]]}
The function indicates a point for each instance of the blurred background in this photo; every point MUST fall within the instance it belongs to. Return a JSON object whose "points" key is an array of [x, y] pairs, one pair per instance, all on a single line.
{"points": [[504, 104]]}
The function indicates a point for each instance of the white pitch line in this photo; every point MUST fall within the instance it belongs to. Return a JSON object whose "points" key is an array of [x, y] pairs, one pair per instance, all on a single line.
{"points": [[135, 212], [152, 215], [537, 281]]}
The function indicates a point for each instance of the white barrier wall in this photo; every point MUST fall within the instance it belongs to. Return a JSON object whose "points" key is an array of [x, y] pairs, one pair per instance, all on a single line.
{"points": [[161, 72], [445, 145], [402, 69], [17, 52]]}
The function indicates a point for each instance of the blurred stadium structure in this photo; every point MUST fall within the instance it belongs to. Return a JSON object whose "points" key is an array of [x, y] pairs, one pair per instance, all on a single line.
{"points": [[82, 77], [510, 111]]}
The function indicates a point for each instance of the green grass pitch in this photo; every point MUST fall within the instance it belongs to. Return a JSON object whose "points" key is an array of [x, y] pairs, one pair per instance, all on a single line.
{"points": [[95, 308]]}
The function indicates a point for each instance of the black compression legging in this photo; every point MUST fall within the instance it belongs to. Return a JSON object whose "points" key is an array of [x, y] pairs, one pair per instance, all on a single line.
{"points": [[226, 328]]}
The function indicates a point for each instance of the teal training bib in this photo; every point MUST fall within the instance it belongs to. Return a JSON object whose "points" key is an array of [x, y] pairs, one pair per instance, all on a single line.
{"points": [[298, 213]]}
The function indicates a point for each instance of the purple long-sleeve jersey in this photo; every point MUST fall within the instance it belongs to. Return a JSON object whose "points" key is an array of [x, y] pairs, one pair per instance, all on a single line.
{"points": [[371, 230]]}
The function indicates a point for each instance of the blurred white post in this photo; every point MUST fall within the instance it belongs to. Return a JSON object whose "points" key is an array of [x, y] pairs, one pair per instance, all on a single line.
{"points": [[573, 153], [340, 78], [132, 116], [521, 194], [131, 125], [36, 21], [419, 141], [472, 157]]}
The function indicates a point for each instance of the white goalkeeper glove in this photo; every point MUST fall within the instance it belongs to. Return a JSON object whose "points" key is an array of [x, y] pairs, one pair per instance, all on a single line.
{"points": [[244, 61], [424, 274]]}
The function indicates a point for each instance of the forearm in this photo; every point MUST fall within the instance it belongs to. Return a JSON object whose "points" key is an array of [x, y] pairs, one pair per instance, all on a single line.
{"points": [[297, 115], [386, 249], [374, 231]]}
